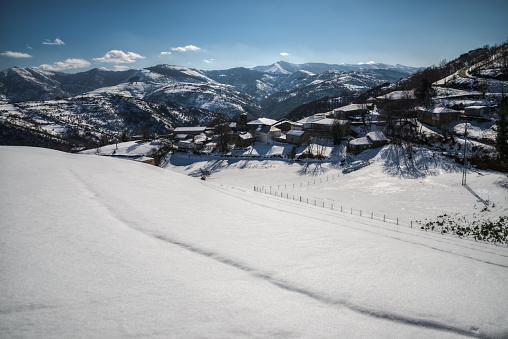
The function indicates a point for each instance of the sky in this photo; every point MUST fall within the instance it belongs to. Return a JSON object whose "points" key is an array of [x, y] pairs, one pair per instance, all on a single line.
{"points": [[74, 36]]}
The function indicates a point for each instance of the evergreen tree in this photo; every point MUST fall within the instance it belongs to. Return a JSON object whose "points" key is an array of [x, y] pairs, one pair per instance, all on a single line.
{"points": [[424, 92]]}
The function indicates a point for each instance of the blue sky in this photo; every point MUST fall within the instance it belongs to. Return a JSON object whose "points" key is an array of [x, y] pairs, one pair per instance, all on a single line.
{"points": [[74, 36]]}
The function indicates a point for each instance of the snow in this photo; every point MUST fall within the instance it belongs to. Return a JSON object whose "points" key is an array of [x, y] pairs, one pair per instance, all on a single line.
{"points": [[128, 149], [101, 247]]}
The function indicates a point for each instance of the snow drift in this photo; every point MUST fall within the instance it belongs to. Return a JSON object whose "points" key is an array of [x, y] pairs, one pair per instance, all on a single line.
{"points": [[101, 247]]}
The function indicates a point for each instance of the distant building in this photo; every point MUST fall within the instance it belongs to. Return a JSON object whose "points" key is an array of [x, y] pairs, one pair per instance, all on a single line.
{"points": [[284, 125], [370, 140], [308, 121], [190, 130], [377, 138], [253, 125], [359, 145], [296, 137], [186, 144], [476, 111], [267, 133], [245, 139], [437, 116], [349, 110]]}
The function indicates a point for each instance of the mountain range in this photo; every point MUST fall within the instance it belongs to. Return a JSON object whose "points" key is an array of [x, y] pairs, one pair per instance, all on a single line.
{"points": [[100, 101]]}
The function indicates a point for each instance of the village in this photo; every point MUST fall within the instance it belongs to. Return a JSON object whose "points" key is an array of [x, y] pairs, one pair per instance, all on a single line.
{"points": [[336, 135]]}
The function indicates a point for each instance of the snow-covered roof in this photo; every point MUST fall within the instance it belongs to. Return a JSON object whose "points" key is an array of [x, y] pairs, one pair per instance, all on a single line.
{"points": [[325, 121], [376, 136], [190, 130], [267, 129], [310, 119], [262, 121], [360, 141], [189, 141], [245, 136], [181, 136], [477, 107], [438, 110], [352, 107]]}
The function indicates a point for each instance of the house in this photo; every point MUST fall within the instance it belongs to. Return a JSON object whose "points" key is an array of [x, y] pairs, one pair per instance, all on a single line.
{"points": [[296, 137], [255, 124], [307, 122], [267, 133], [245, 139], [437, 116], [284, 125], [370, 140], [190, 130], [476, 111], [359, 145], [349, 110], [186, 144], [377, 138], [323, 124]]}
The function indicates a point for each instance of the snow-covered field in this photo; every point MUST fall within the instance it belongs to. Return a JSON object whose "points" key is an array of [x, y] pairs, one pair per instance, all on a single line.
{"points": [[102, 247]]}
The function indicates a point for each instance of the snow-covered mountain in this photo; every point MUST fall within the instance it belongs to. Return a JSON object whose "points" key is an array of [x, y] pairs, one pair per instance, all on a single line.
{"points": [[105, 102], [283, 67]]}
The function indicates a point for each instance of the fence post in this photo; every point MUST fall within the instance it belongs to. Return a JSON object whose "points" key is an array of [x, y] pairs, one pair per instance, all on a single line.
{"points": [[341, 208], [360, 213], [372, 215], [323, 204], [397, 221], [411, 223], [384, 218], [300, 198], [332, 206], [351, 210]]}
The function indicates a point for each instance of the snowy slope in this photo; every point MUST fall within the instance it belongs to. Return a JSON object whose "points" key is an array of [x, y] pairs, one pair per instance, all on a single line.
{"points": [[100, 247]]}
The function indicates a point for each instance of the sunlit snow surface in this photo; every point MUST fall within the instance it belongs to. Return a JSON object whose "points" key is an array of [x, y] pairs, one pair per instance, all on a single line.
{"points": [[101, 247]]}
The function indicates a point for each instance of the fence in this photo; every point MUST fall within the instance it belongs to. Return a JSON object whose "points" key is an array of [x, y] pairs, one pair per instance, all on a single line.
{"points": [[334, 207]]}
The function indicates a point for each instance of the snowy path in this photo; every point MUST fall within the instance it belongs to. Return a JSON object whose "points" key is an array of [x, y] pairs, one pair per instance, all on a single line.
{"points": [[98, 247]]}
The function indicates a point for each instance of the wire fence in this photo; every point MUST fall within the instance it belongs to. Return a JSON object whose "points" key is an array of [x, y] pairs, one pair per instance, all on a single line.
{"points": [[336, 207]]}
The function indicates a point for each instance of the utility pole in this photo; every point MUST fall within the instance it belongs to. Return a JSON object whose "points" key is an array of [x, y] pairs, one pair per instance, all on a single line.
{"points": [[464, 169]]}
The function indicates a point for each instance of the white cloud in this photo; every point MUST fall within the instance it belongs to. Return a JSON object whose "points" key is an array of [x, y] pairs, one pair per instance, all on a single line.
{"points": [[186, 48], [15, 54], [284, 54], [28, 46], [208, 61], [120, 57], [165, 53], [67, 64], [56, 42]]}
